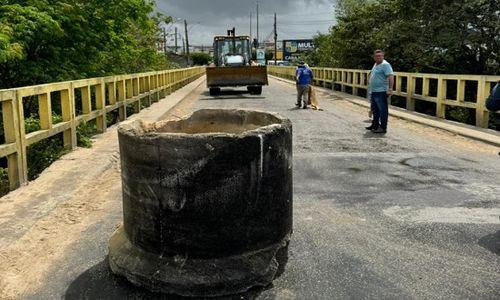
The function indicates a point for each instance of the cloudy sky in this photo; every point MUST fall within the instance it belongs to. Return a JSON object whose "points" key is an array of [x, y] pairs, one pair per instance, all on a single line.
{"points": [[299, 19]]}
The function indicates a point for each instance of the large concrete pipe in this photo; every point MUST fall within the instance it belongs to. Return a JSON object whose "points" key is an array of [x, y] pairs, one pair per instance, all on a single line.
{"points": [[207, 202]]}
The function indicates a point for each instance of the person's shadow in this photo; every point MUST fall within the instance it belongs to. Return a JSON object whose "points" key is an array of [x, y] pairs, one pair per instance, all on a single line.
{"points": [[99, 282], [491, 242], [371, 135]]}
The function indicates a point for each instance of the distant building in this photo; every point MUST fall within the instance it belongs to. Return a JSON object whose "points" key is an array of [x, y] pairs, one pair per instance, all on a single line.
{"points": [[269, 46], [293, 49], [202, 48]]}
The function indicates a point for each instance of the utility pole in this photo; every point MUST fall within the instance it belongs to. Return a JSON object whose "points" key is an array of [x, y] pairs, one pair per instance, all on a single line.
{"points": [[183, 46], [257, 22], [275, 40], [251, 39], [164, 41], [176, 48], [187, 42]]}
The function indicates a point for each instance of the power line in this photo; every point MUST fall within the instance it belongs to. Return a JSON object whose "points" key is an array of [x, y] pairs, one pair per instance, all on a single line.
{"points": [[310, 22], [304, 14]]}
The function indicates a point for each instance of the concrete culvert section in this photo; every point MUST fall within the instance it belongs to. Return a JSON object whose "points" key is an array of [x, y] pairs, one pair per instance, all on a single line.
{"points": [[207, 202]]}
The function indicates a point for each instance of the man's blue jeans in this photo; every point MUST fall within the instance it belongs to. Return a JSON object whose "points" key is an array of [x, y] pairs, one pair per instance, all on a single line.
{"points": [[380, 109]]}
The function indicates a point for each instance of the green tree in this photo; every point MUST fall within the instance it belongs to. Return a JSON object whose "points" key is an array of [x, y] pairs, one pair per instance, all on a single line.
{"points": [[44, 41], [200, 58], [449, 36]]}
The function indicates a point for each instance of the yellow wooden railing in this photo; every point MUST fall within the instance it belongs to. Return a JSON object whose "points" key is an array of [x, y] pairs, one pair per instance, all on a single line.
{"points": [[98, 96], [406, 86]]}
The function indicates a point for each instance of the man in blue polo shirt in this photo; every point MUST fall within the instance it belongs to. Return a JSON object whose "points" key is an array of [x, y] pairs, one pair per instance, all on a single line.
{"points": [[304, 78], [380, 87], [493, 101]]}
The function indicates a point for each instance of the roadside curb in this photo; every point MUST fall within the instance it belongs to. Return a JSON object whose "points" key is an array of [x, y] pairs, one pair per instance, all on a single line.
{"points": [[484, 135], [167, 104]]}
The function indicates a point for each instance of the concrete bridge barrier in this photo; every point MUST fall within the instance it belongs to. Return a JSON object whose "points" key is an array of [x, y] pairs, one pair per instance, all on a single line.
{"points": [[207, 202], [96, 97], [444, 90]]}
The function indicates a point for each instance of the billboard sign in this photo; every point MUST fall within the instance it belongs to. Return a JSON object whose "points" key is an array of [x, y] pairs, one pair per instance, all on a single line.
{"points": [[292, 49], [261, 56]]}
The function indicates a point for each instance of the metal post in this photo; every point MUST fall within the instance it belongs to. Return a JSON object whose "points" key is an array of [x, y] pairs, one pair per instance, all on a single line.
{"points": [[164, 41], [176, 48], [183, 46], [275, 41], [187, 42], [251, 39], [258, 22]]}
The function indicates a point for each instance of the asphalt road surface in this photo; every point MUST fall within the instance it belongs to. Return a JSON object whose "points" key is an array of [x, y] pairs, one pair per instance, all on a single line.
{"points": [[413, 214]]}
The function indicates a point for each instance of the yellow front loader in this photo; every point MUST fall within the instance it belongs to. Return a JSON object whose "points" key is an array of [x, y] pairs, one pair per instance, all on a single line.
{"points": [[233, 67]]}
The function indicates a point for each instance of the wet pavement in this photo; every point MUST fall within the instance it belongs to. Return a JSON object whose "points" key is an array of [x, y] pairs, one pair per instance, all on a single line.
{"points": [[408, 215]]}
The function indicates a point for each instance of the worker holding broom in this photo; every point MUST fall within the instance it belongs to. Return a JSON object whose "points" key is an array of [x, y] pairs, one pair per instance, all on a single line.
{"points": [[304, 77]]}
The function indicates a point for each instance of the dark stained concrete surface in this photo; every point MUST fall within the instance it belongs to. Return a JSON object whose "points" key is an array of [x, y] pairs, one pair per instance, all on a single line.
{"points": [[409, 215]]}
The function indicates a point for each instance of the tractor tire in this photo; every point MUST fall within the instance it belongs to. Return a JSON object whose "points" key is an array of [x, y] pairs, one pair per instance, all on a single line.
{"points": [[255, 90], [214, 91]]}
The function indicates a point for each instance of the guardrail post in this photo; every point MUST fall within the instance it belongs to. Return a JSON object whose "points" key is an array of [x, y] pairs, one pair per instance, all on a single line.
{"points": [[343, 82], [122, 110], [355, 83], [68, 115], [22, 146], [410, 90], [398, 83], [14, 161], [147, 89], [129, 93], [482, 115], [101, 120], [45, 111], [135, 92], [86, 103], [425, 86], [461, 90], [112, 92], [441, 96], [334, 78]]}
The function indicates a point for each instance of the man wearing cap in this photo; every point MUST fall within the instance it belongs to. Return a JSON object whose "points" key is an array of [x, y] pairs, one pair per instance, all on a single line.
{"points": [[381, 88], [304, 77]]}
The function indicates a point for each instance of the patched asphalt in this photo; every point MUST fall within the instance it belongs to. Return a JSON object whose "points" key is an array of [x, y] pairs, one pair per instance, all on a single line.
{"points": [[401, 216]]}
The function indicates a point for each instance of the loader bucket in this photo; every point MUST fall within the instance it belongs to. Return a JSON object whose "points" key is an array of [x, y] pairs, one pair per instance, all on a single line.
{"points": [[236, 76]]}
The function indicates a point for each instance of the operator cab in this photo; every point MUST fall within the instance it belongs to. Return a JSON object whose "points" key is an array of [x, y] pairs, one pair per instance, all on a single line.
{"points": [[232, 50]]}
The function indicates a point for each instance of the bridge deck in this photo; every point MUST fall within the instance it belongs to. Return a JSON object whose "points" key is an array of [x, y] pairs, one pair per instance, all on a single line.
{"points": [[413, 214]]}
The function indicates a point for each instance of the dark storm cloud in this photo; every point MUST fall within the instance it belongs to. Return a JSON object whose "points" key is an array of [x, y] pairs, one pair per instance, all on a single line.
{"points": [[296, 18]]}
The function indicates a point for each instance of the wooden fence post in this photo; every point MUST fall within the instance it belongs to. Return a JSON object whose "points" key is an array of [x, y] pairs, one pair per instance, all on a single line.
{"points": [[22, 148], [45, 111], [410, 90], [441, 96], [86, 101], [482, 115], [68, 114], [10, 116], [355, 82], [101, 121], [122, 110]]}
